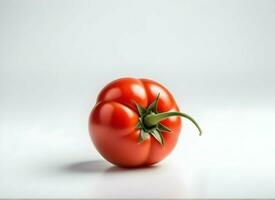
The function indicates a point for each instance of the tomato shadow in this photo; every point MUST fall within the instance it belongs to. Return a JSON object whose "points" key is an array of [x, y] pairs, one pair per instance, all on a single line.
{"points": [[115, 169], [93, 166], [100, 166]]}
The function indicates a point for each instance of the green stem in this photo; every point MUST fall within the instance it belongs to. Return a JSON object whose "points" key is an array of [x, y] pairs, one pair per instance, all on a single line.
{"points": [[153, 119]]}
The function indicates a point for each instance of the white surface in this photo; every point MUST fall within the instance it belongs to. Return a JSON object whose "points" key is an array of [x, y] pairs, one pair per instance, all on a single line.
{"points": [[234, 159], [217, 57]]}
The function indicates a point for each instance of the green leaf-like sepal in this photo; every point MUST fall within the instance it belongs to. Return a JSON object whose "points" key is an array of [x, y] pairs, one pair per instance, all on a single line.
{"points": [[157, 135], [143, 136], [153, 106], [163, 128], [138, 125], [140, 108]]}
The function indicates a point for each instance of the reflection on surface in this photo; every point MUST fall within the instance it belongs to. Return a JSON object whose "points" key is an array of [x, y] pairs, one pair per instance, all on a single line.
{"points": [[147, 182], [108, 181]]}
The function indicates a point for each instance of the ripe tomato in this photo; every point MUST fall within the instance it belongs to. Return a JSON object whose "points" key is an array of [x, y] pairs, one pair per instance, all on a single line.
{"points": [[135, 122]]}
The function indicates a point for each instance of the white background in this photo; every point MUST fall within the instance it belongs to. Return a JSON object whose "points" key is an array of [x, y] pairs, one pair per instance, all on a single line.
{"points": [[216, 57]]}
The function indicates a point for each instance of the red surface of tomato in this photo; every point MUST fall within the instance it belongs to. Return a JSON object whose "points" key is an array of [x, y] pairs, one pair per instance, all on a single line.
{"points": [[135, 122]]}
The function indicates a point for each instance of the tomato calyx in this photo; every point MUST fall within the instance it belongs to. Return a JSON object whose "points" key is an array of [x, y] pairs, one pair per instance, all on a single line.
{"points": [[150, 129], [149, 121]]}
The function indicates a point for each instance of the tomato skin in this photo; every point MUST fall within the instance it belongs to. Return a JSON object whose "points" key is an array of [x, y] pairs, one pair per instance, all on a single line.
{"points": [[112, 122]]}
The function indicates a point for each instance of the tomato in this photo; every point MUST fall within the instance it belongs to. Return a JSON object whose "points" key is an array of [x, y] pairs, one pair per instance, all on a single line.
{"points": [[135, 122]]}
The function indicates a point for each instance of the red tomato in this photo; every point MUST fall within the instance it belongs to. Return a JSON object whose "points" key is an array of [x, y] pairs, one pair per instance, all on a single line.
{"points": [[135, 122]]}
